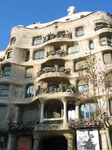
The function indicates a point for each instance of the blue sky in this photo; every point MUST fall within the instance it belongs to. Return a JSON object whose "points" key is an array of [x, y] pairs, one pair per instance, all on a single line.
{"points": [[25, 12]]}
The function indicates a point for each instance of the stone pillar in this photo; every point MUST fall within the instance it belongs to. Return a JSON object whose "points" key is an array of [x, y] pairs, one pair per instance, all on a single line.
{"points": [[70, 141], [104, 144], [16, 114], [42, 112], [65, 111], [77, 110], [36, 142], [31, 55], [12, 142]]}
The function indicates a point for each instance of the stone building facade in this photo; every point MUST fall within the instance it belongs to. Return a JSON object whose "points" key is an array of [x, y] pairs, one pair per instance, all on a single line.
{"points": [[39, 76]]}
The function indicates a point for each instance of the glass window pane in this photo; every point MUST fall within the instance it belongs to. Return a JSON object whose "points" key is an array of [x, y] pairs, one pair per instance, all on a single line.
{"points": [[82, 111], [39, 55], [92, 109], [87, 110]]}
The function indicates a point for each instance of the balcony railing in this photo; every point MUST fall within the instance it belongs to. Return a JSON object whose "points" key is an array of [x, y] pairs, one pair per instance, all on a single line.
{"points": [[92, 122], [53, 69], [56, 52], [50, 36], [60, 88], [58, 121], [102, 25], [23, 126]]}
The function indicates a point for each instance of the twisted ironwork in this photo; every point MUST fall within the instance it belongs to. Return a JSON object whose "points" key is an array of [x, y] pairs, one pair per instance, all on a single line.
{"points": [[50, 36], [53, 122], [60, 88], [99, 121], [53, 69], [102, 25], [23, 126], [56, 52]]}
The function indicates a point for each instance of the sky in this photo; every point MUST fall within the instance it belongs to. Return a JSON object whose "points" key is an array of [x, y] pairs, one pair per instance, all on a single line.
{"points": [[26, 12]]}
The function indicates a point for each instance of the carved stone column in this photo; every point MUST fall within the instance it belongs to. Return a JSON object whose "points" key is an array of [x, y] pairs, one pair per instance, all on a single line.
{"points": [[77, 109], [65, 111], [31, 55], [104, 145], [16, 114], [42, 112], [36, 142], [12, 142], [70, 141]]}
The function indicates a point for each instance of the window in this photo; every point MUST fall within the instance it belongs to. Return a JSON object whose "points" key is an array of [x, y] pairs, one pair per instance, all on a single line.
{"points": [[30, 114], [83, 86], [4, 90], [88, 110], [3, 141], [107, 57], [105, 41], [80, 65], [37, 40], [91, 45], [73, 49], [79, 32], [109, 80], [3, 111], [39, 55], [30, 91], [13, 41], [27, 55], [24, 142], [29, 72], [53, 109], [110, 105], [71, 111], [9, 54], [6, 70]]}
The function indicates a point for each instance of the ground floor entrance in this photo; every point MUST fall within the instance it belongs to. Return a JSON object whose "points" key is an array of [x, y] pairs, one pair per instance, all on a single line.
{"points": [[54, 143]]}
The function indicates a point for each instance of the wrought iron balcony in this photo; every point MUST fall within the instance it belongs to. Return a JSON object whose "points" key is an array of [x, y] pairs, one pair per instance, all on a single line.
{"points": [[102, 25], [60, 88], [59, 121], [92, 122], [56, 52], [50, 36], [23, 126], [53, 69]]}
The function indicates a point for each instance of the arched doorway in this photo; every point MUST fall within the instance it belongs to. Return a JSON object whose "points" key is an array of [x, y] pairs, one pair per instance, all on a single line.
{"points": [[54, 143]]}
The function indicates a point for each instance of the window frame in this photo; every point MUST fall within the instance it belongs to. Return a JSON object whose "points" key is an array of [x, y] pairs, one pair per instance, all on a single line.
{"points": [[30, 91], [91, 45], [4, 107], [73, 49], [105, 41], [37, 40], [13, 41], [9, 54], [105, 62], [79, 31], [110, 104], [85, 110], [4, 91], [40, 54], [6, 68], [26, 74], [81, 67], [30, 117]]}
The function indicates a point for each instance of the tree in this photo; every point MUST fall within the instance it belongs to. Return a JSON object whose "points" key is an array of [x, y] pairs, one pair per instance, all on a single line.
{"points": [[99, 92]]}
